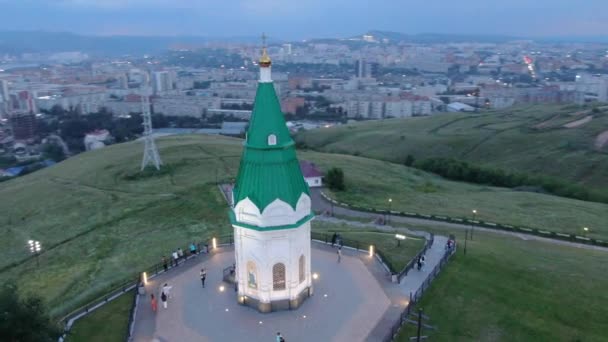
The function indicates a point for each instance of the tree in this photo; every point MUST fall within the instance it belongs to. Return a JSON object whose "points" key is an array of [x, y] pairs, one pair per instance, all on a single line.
{"points": [[334, 178], [409, 160], [53, 151], [24, 319]]}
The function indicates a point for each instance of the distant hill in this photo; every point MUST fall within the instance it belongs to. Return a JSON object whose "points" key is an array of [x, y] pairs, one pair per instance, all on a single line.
{"points": [[42, 41], [431, 38], [561, 141]]}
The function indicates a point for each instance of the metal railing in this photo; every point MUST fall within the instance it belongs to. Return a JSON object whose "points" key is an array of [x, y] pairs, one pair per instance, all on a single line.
{"points": [[132, 283], [360, 246], [474, 223], [415, 297], [428, 244]]}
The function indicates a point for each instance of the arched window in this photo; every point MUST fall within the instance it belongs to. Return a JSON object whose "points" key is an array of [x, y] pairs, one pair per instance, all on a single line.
{"points": [[272, 140], [302, 268], [278, 276], [252, 275]]}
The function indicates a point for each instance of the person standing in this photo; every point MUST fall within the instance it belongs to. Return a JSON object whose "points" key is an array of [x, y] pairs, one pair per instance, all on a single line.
{"points": [[167, 289], [192, 249], [203, 275], [175, 258], [180, 254], [163, 298], [339, 253], [164, 261], [153, 303], [280, 337], [333, 239]]}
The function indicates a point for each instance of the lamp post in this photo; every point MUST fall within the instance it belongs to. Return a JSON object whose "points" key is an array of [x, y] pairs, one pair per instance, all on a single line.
{"points": [[35, 248], [399, 237], [388, 216], [472, 223], [585, 231]]}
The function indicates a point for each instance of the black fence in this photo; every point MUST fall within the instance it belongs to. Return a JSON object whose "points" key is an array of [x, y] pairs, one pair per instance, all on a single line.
{"points": [[133, 282], [410, 265], [415, 297], [475, 223], [360, 246]]}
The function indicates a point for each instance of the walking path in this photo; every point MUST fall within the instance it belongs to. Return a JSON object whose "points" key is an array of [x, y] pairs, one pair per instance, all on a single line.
{"points": [[347, 303], [320, 204]]}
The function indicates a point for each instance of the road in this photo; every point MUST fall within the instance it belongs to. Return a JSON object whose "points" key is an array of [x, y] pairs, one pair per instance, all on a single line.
{"points": [[320, 205]]}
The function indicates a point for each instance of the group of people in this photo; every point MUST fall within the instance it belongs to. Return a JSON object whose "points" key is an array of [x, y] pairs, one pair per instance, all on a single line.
{"points": [[336, 239], [450, 245], [420, 262], [164, 297], [178, 255]]}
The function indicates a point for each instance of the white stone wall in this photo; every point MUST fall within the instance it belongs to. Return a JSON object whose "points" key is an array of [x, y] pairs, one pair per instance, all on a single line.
{"points": [[314, 182], [265, 249]]}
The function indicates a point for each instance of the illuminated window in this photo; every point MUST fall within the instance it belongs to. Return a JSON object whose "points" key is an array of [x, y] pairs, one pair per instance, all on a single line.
{"points": [[272, 140], [252, 275], [302, 268], [278, 276]]}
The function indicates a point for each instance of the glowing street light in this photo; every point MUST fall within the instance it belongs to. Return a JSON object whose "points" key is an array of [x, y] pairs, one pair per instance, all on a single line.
{"points": [[390, 204], [399, 237], [371, 250], [472, 223], [35, 248], [585, 230], [315, 276], [214, 243]]}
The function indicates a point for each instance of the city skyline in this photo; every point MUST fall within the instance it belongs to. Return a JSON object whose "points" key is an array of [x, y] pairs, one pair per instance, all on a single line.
{"points": [[338, 18]]}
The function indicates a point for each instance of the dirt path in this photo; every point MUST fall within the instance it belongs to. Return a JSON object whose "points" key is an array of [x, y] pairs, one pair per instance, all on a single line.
{"points": [[547, 122], [577, 123], [601, 140]]}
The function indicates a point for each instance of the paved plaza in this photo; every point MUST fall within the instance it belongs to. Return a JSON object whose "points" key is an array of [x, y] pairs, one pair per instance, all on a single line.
{"points": [[347, 304]]}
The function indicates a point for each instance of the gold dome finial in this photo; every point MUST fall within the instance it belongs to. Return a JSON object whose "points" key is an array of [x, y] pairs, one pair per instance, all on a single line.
{"points": [[265, 59]]}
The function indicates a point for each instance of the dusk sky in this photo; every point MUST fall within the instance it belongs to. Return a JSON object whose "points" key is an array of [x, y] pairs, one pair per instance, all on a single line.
{"points": [[296, 19]]}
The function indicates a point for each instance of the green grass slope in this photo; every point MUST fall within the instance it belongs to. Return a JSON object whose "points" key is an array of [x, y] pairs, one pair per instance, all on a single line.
{"points": [[529, 139], [98, 227], [370, 183], [507, 289], [101, 222]]}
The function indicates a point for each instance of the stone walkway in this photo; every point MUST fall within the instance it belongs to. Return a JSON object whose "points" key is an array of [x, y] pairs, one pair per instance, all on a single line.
{"points": [[347, 303], [353, 301]]}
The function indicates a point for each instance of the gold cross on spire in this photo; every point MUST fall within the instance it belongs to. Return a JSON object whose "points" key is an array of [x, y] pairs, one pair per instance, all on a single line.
{"points": [[264, 59]]}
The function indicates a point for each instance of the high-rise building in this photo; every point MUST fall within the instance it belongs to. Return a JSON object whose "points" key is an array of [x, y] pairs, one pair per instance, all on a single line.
{"points": [[271, 210], [162, 81], [123, 81], [287, 49], [4, 91], [24, 126], [366, 69], [4, 98]]}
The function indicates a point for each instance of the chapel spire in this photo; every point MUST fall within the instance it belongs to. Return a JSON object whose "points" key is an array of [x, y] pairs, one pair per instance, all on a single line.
{"points": [[265, 63]]}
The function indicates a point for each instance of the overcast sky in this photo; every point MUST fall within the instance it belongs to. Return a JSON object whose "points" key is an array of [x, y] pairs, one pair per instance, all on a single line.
{"points": [[296, 19]]}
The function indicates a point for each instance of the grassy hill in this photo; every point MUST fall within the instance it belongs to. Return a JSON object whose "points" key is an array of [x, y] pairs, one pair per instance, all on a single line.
{"points": [[100, 221], [560, 141], [509, 289]]}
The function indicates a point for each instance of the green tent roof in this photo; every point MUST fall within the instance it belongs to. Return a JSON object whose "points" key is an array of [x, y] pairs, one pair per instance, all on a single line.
{"points": [[268, 172]]}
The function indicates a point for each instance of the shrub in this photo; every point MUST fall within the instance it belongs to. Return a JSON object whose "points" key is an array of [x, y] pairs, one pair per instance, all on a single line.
{"points": [[334, 178], [463, 171]]}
